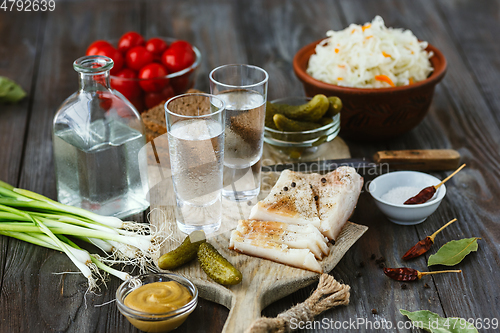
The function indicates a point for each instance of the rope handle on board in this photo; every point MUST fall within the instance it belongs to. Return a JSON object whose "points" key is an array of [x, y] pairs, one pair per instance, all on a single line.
{"points": [[327, 295]]}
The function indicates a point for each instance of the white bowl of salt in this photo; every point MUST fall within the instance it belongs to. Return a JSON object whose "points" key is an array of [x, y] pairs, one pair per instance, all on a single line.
{"points": [[391, 190]]}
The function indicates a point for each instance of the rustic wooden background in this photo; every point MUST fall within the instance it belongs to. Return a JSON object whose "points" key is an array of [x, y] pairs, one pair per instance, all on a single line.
{"points": [[37, 50]]}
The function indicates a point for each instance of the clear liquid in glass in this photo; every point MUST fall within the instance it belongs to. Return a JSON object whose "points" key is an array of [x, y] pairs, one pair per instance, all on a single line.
{"points": [[245, 113], [196, 161], [100, 170]]}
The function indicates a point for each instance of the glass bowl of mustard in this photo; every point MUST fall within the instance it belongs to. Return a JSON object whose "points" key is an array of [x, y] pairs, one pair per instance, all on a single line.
{"points": [[157, 302]]}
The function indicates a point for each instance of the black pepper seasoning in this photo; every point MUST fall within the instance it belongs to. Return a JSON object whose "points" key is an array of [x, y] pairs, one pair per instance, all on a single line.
{"points": [[285, 188], [323, 180], [316, 197], [379, 260], [293, 184]]}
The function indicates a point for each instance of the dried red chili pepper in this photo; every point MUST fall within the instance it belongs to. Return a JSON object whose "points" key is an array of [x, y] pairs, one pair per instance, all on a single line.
{"points": [[424, 245], [427, 193], [422, 196], [401, 274], [409, 274], [418, 249]]}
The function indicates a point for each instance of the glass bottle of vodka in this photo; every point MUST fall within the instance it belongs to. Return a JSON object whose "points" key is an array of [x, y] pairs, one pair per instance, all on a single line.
{"points": [[97, 139]]}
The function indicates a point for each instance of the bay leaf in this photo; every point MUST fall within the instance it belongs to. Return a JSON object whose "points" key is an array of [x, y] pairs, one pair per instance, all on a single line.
{"points": [[10, 92], [432, 322], [453, 252]]}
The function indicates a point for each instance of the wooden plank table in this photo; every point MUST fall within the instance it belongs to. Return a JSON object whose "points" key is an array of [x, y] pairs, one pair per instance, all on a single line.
{"points": [[37, 50]]}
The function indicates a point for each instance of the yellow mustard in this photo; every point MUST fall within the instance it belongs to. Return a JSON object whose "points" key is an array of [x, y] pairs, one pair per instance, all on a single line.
{"points": [[157, 298]]}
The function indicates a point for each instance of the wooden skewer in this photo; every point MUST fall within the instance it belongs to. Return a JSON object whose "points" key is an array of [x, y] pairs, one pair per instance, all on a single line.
{"points": [[440, 229], [420, 274], [448, 178], [428, 192]]}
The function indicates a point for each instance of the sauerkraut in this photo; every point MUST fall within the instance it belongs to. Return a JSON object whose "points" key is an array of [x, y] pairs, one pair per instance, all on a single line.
{"points": [[370, 56]]}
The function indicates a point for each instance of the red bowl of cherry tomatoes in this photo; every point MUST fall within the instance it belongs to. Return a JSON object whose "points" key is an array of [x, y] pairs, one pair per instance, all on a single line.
{"points": [[148, 72]]}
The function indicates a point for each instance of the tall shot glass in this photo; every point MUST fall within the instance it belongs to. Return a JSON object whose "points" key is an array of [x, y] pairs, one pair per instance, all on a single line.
{"points": [[195, 126], [244, 90]]}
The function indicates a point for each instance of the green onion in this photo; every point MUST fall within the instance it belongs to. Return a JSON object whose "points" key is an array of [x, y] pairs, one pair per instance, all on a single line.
{"points": [[119, 274], [30, 238], [103, 245], [5, 185], [36, 219], [108, 220]]}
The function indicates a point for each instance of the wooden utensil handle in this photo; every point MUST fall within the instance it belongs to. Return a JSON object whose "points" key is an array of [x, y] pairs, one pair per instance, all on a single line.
{"points": [[245, 308], [425, 159]]}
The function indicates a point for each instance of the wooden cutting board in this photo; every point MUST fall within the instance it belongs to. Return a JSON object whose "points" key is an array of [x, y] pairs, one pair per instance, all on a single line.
{"points": [[264, 281]]}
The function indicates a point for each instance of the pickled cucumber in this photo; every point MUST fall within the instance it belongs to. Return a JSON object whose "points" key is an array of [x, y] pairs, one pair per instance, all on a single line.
{"points": [[270, 112], [184, 253], [311, 111], [319, 141], [325, 121], [334, 107], [217, 267], [289, 125]]}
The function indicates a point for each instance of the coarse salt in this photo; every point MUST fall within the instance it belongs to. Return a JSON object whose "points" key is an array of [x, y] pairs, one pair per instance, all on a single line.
{"points": [[399, 195]]}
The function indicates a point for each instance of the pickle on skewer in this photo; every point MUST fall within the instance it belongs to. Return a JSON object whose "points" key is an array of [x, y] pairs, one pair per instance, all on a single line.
{"points": [[310, 111], [290, 125], [217, 267], [183, 253], [334, 107]]}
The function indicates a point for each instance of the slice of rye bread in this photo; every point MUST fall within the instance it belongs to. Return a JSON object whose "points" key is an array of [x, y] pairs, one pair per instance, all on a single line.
{"points": [[154, 120]]}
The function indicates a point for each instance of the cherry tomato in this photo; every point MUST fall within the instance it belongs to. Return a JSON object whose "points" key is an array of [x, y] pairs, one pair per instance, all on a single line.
{"points": [[168, 93], [130, 40], [112, 104], [96, 46], [152, 99], [178, 56], [156, 74], [101, 79], [138, 102], [124, 82], [114, 54], [156, 46], [138, 57], [105, 99], [181, 83], [182, 44]]}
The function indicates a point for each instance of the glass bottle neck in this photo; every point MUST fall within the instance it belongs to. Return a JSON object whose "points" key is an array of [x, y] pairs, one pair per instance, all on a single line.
{"points": [[93, 82]]}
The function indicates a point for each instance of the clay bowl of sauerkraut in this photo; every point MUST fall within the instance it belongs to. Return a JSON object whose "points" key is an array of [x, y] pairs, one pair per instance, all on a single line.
{"points": [[385, 77]]}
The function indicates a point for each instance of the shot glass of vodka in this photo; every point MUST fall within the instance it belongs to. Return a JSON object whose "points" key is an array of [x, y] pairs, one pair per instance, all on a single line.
{"points": [[243, 88], [195, 126]]}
